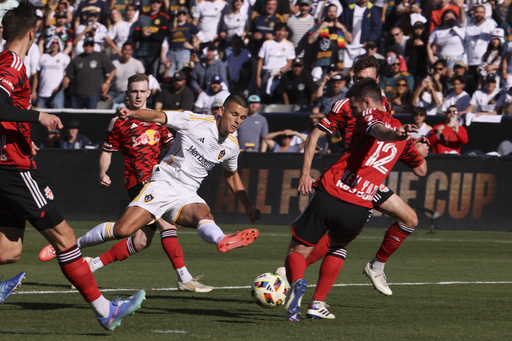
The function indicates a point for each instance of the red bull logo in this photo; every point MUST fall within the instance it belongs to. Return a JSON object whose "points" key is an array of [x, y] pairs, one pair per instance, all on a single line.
{"points": [[148, 137]]}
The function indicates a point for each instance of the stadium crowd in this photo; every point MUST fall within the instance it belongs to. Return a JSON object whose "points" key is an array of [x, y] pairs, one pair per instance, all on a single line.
{"points": [[434, 55]]}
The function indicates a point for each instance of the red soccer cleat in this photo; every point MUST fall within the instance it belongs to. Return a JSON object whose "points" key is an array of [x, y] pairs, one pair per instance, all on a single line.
{"points": [[47, 253], [236, 240]]}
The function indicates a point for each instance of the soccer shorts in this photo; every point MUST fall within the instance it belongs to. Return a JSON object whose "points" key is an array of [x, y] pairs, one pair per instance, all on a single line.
{"points": [[383, 194], [165, 200], [24, 195], [325, 213]]}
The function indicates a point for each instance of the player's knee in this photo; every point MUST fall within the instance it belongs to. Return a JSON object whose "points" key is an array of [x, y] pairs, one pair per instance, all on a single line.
{"points": [[410, 221], [141, 242], [121, 231], [11, 257]]}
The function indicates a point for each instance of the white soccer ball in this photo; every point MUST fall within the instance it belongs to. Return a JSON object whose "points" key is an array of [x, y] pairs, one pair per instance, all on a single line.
{"points": [[269, 290]]}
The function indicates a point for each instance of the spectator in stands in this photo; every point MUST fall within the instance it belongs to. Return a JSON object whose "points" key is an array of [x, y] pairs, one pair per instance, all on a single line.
{"points": [[440, 76], [457, 97], [429, 95], [118, 32], [206, 69], [74, 140], [60, 29], [322, 145], [254, 129], [328, 39], [234, 24], [207, 15], [399, 39], [401, 98], [149, 32], [53, 139], [282, 8], [371, 50], [215, 92], [297, 86], [91, 74], [246, 83], [263, 26], [180, 41], [484, 101], [131, 14], [363, 20], [336, 91], [448, 137], [460, 70], [319, 9], [126, 67], [48, 91], [92, 28], [176, 97], [416, 52], [238, 56], [299, 26], [492, 57], [418, 116], [51, 13], [396, 63], [478, 35], [447, 41], [436, 18], [280, 141], [86, 7], [274, 59]]}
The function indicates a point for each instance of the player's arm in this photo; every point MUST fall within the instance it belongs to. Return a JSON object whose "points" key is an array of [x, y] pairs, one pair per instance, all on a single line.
{"points": [[146, 115], [236, 186], [105, 160], [306, 181], [382, 133]]}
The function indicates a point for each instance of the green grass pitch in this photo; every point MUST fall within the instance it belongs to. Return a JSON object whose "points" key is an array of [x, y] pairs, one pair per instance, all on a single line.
{"points": [[450, 285]]}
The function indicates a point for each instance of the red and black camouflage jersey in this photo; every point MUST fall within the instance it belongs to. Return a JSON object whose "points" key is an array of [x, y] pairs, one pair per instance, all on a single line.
{"points": [[357, 175], [15, 140], [340, 119], [140, 143]]}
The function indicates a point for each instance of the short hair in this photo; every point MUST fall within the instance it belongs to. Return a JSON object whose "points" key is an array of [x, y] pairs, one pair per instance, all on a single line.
{"points": [[18, 21], [451, 106], [461, 79], [330, 5], [367, 62], [419, 110], [442, 62], [281, 25], [138, 77], [237, 99], [367, 87], [132, 6], [128, 43]]}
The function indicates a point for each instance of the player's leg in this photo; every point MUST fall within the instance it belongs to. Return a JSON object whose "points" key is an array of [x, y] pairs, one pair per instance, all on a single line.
{"points": [[172, 248], [11, 244]]}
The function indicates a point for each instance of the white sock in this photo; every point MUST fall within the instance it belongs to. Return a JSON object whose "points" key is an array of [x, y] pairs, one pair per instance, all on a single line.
{"points": [[209, 231], [96, 264], [183, 275], [97, 235], [376, 265], [101, 306]]}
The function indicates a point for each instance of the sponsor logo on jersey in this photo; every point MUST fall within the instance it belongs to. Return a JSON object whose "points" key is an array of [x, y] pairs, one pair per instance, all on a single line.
{"points": [[150, 137], [221, 154], [199, 157], [148, 198], [48, 193]]}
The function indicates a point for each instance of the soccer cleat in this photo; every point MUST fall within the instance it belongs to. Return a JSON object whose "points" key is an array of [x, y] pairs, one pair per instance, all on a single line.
{"points": [[293, 302], [194, 285], [47, 253], [9, 286], [318, 310], [281, 272], [378, 279], [119, 309], [236, 240]]}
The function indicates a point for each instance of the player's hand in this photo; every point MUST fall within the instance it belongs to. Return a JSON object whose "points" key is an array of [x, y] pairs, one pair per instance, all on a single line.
{"points": [[34, 148], [50, 121], [404, 132], [440, 129], [306, 185], [253, 213], [124, 113], [422, 144], [105, 180]]}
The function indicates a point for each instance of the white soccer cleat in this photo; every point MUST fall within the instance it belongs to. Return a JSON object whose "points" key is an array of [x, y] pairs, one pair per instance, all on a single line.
{"points": [[318, 310], [194, 285], [281, 272], [378, 279]]}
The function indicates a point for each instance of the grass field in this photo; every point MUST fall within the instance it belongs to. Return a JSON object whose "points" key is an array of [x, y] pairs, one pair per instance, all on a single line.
{"points": [[451, 285]]}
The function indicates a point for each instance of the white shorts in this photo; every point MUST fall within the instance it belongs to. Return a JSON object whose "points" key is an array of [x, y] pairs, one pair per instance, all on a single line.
{"points": [[161, 198]]}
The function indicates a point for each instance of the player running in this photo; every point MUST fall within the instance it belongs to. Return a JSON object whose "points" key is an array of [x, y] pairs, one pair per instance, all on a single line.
{"points": [[24, 195]]}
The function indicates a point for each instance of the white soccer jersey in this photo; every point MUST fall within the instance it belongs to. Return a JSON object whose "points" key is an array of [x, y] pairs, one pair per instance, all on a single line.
{"points": [[477, 40], [209, 14], [120, 33], [485, 102], [197, 148], [51, 72], [275, 55]]}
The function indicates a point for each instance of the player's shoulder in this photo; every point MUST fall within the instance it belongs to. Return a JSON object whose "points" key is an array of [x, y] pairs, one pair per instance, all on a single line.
{"points": [[342, 106], [233, 139], [9, 59]]}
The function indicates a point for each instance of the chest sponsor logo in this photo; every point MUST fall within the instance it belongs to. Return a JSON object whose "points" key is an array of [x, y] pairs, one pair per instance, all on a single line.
{"points": [[148, 137], [200, 158]]}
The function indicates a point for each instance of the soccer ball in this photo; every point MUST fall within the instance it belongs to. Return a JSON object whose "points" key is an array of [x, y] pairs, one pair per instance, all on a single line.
{"points": [[269, 290]]}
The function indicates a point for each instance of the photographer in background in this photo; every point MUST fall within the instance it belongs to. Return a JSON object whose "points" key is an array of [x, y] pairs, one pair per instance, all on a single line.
{"points": [[448, 137]]}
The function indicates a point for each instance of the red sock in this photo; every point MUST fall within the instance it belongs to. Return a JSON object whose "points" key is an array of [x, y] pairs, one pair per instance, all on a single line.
{"points": [[394, 237], [77, 271], [120, 251], [319, 251], [295, 265], [172, 248], [329, 271]]}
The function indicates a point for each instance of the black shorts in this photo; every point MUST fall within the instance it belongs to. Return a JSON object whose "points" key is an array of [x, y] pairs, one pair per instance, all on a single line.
{"points": [[24, 195], [325, 213], [383, 194]]}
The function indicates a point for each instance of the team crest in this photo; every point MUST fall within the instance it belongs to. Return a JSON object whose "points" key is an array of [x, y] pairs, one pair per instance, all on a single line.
{"points": [[157, 22], [221, 154], [148, 198], [48, 193], [93, 64]]}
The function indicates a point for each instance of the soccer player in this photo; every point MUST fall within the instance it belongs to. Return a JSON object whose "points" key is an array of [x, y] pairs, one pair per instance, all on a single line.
{"points": [[386, 201], [24, 195], [201, 142], [141, 144], [342, 204]]}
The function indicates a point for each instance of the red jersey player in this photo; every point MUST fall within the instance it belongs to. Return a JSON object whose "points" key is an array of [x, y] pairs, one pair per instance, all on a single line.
{"points": [[24, 195], [343, 202]]}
